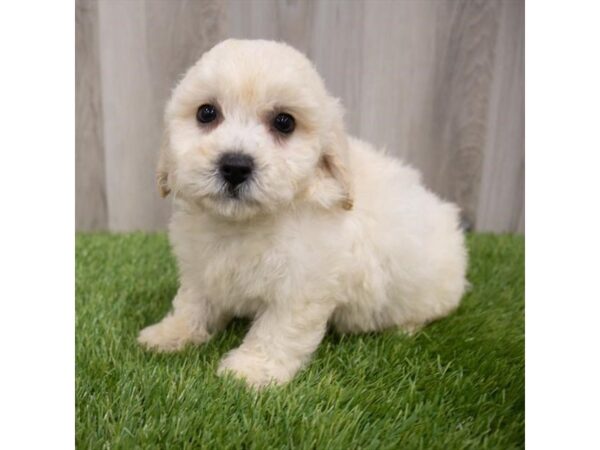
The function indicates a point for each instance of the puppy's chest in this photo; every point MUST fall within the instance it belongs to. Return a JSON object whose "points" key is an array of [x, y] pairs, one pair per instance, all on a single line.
{"points": [[237, 267]]}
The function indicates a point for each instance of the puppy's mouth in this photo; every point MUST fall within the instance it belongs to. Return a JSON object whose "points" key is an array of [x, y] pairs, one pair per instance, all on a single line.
{"points": [[233, 203], [234, 192], [240, 194]]}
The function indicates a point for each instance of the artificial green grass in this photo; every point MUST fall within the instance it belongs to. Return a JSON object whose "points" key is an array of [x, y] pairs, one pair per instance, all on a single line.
{"points": [[459, 383]]}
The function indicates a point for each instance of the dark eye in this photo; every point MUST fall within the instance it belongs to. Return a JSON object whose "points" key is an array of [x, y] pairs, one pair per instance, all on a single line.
{"points": [[284, 123], [206, 113]]}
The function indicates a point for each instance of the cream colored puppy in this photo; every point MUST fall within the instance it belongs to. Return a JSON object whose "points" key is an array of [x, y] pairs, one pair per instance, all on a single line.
{"points": [[281, 217]]}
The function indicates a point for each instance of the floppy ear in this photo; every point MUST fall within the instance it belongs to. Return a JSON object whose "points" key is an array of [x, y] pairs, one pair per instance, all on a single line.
{"points": [[333, 184], [333, 164], [164, 166]]}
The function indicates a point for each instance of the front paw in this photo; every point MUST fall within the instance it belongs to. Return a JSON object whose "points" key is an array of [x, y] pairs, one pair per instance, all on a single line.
{"points": [[169, 335], [255, 368]]}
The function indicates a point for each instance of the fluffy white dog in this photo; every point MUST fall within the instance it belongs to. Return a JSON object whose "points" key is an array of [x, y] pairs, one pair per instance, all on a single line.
{"points": [[282, 217]]}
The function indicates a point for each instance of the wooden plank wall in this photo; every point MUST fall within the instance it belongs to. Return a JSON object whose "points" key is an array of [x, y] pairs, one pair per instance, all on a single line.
{"points": [[439, 83], [90, 185]]}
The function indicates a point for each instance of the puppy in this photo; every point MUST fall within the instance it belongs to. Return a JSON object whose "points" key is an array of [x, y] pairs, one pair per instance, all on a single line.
{"points": [[281, 217]]}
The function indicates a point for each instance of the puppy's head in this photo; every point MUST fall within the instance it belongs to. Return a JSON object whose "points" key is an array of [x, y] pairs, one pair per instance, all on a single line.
{"points": [[249, 129]]}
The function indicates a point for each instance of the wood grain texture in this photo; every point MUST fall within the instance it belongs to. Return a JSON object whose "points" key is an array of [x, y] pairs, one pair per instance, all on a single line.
{"points": [[438, 83], [145, 47], [501, 200], [90, 186], [466, 39]]}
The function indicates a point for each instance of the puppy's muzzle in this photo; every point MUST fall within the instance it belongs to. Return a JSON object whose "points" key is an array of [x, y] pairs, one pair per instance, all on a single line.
{"points": [[235, 168]]}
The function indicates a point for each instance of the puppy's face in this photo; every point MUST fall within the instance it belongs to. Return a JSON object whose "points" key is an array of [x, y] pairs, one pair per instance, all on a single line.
{"points": [[251, 128]]}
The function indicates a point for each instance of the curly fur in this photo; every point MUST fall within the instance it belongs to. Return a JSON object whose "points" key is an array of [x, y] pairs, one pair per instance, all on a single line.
{"points": [[328, 230]]}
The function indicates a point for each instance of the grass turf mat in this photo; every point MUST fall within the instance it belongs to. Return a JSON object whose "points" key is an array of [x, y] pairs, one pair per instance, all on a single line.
{"points": [[459, 383]]}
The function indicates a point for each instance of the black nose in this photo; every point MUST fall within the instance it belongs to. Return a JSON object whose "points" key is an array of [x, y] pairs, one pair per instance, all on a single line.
{"points": [[235, 168]]}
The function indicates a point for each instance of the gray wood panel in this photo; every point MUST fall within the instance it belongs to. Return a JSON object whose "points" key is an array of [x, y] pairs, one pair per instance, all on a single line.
{"points": [[144, 47], [461, 96], [438, 83], [501, 200], [90, 187], [425, 98]]}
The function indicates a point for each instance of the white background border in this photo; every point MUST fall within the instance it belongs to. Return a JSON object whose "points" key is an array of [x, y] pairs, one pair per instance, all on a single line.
{"points": [[37, 359], [562, 148], [562, 224]]}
